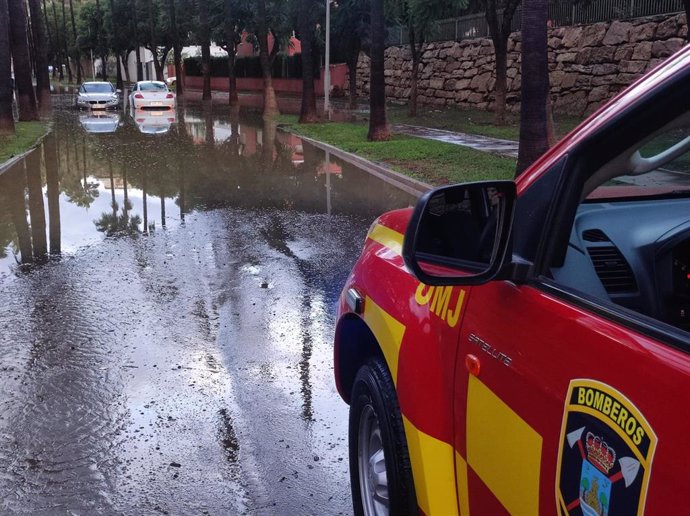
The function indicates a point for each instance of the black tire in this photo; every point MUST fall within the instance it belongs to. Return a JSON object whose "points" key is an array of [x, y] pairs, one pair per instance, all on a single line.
{"points": [[374, 411]]}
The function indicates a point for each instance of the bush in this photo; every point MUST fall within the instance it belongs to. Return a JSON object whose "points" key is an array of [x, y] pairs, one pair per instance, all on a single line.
{"points": [[284, 67]]}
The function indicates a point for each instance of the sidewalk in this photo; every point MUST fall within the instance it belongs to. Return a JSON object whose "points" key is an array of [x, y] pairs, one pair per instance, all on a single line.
{"points": [[506, 148]]}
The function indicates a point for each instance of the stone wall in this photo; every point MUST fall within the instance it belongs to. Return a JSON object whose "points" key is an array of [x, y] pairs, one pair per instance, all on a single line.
{"points": [[588, 64]]}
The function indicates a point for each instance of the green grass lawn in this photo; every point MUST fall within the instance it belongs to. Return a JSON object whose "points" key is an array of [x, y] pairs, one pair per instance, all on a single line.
{"points": [[430, 161], [472, 121], [27, 133]]}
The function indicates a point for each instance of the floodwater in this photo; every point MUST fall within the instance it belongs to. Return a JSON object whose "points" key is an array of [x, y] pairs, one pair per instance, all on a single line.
{"points": [[168, 284]]}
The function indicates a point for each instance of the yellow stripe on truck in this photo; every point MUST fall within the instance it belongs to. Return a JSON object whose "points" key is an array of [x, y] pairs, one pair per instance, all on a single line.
{"points": [[433, 470], [388, 332], [387, 237], [503, 450]]}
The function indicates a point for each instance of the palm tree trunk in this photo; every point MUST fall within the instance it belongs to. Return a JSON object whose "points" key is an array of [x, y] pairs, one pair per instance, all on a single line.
{"points": [[205, 49], [499, 28], [306, 28], [19, 43], [154, 45], [77, 52], [176, 48], [416, 49], [270, 101], [686, 5], [64, 32], [352, 59], [231, 41], [41, 54], [61, 75], [6, 115], [378, 124], [533, 122]]}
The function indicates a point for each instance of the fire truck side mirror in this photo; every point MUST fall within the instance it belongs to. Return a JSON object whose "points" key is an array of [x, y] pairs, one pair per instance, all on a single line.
{"points": [[460, 234]]}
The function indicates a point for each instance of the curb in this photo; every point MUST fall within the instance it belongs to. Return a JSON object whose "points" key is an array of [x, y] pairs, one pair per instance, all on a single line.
{"points": [[4, 167], [401, 181]]}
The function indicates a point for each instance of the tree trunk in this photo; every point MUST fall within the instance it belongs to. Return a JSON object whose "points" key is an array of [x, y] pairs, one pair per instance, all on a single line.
{"points": [[41, 54], [61, 75], [77, 52], [306, 28], [205, 49], [416, 49], [352, 59], [104, 64], [26, 98], [118, 70], [533, 124], [51, 56], [179, 73], [231, 42], [501, 86], [378, 125], [125, 64], [499, 28], [154, 45], [140, 72], [64, 32], [270, 101], [6, 115], [686, 4], [137, 47], [176, 48]]}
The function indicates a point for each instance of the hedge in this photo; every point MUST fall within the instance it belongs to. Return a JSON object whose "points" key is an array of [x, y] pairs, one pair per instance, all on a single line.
{"points": [[284, 67]]}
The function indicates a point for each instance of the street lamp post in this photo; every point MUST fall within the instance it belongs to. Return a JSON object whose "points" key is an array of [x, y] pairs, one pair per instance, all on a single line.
{"points": [[327, 71]]}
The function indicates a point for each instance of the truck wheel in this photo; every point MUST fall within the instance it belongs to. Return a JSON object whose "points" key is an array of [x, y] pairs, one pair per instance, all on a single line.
{"points": [[380, 469]]}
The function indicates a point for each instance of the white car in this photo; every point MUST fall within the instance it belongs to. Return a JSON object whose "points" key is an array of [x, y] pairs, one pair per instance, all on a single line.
{"points": [[97, 95], [151, 95]]}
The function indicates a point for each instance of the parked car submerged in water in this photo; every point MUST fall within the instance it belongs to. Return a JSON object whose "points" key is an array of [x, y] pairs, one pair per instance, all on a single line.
{"points": [[151, 95], [97, 95]]}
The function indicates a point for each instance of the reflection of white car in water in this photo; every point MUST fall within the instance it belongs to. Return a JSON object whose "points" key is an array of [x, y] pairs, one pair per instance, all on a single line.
{"points": [[153, 122], [100, 122], [151, 95]]}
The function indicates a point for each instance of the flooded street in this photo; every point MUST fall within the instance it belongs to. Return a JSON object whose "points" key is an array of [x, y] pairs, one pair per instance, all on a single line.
{"points": [[168, 283]]}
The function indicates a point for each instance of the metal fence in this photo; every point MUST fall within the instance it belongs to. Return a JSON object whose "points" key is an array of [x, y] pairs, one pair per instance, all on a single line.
{"points": [[560, 13]]}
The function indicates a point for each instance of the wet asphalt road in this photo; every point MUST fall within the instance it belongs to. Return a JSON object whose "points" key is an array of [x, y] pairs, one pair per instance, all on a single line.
{"points": [[174, 355]]}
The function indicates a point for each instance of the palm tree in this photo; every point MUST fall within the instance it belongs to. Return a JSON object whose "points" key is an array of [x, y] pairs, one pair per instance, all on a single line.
{"points": [[38, 30], [76, 44], [270, 101], [534, 139], [499, 17], [204, 34], [231, 41], [378, 125], [19, 43], [6, 115], [306, 28], [177, 51]]}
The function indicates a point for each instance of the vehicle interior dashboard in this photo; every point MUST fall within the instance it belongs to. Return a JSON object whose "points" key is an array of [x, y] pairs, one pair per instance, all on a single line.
{"points": [[635, 253]]}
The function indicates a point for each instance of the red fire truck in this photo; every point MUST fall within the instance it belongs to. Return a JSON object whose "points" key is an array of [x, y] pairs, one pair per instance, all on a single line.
{"points": [[522, 347]]}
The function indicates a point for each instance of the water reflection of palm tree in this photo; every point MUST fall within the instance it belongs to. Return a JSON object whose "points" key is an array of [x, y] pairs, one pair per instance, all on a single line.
{"points": [[12, 193], [113, 224], [53, 187]]}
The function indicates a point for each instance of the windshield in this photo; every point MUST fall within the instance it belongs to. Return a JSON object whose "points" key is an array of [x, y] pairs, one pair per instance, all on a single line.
{"points": [[102, 87], [152, 86], [670, 178]]}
